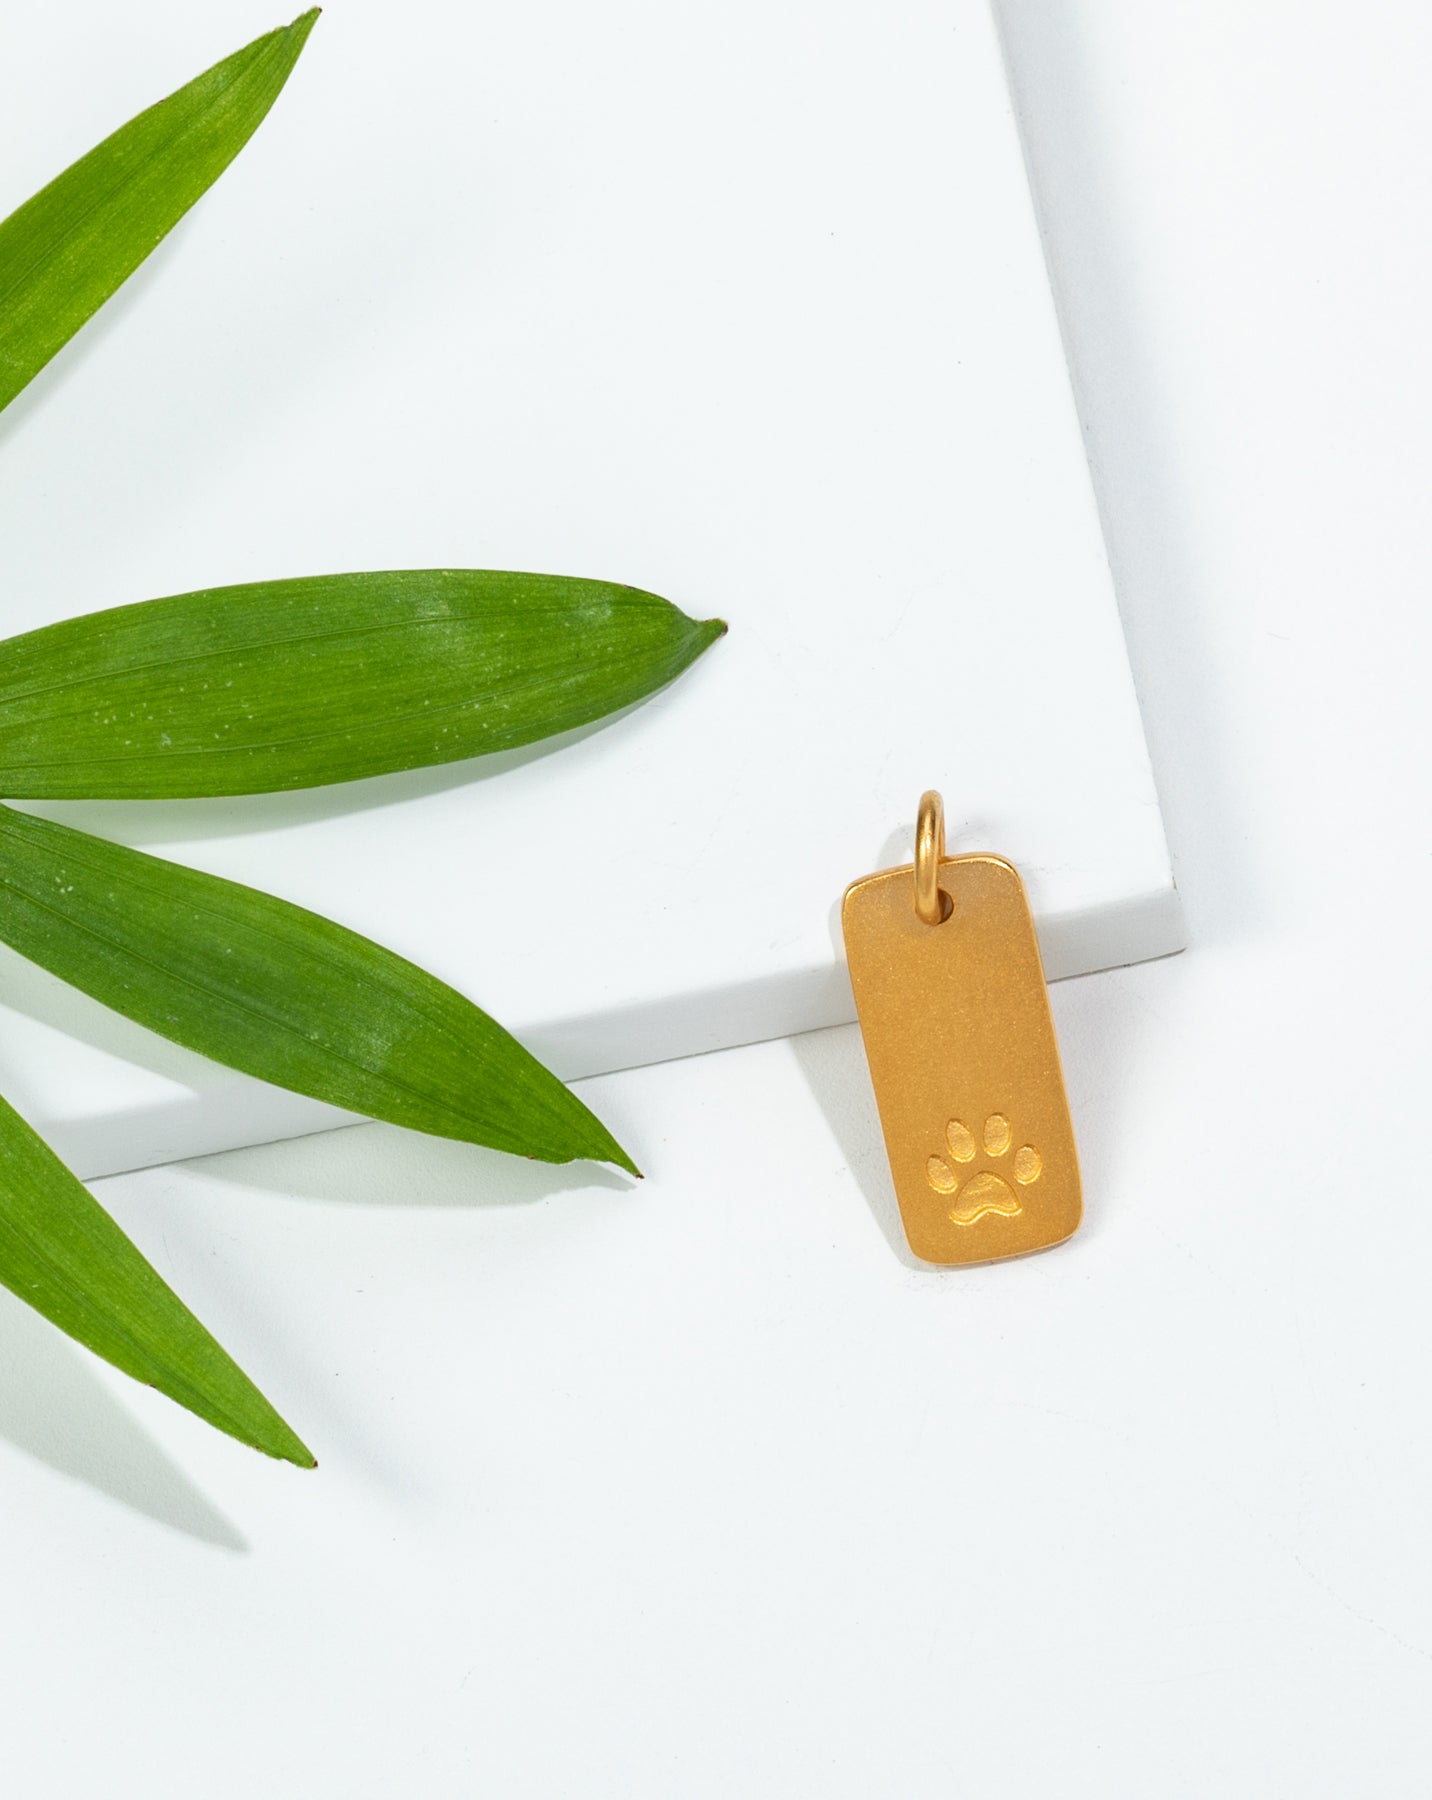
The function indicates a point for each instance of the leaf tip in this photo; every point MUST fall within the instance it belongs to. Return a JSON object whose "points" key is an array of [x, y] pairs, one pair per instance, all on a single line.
{"points": [[301, 27], [610, 1151], [278, 1439], [698, 637], [297, 1453]]}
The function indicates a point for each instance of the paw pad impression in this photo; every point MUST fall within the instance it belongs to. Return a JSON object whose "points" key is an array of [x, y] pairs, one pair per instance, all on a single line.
{"points": [[986, 1191]]}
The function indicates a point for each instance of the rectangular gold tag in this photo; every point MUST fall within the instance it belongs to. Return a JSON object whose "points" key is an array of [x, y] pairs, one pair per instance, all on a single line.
{"points": [[960, 1041]]}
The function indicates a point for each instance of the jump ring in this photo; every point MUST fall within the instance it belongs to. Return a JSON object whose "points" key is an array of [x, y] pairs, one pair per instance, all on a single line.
{"points": [[930, 903]]}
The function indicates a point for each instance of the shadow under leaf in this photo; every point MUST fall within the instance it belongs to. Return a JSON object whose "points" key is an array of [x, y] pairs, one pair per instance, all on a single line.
{"points": [[56, 1409], [383, 1165]]}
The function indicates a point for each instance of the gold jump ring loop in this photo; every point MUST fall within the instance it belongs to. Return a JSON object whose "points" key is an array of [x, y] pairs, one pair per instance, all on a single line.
{"points": [[929, 852]]}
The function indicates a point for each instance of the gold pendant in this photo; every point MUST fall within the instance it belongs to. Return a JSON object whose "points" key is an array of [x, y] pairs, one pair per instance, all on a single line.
{"points": [[955, 1016]]}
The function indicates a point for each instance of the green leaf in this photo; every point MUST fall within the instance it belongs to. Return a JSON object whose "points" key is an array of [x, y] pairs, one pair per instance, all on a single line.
{"points": [[281, 993], [66, 250], [289, 684], [61, 1253]]}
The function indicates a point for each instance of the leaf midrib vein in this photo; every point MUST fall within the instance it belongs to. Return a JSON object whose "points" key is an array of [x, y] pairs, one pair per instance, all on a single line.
{"points": [[237, 1003]]}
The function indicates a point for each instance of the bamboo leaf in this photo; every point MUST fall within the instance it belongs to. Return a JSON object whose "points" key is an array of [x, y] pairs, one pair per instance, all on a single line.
{"points": [[66, 250], [61, 1253], [289, 684], [280, 993]]}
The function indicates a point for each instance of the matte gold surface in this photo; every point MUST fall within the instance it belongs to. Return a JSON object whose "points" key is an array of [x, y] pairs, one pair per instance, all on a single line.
{"points": [[961, 1047]]}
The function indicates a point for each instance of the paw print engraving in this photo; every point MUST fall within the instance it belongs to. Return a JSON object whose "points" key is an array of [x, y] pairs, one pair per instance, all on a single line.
{"points": [[987, 1191]]}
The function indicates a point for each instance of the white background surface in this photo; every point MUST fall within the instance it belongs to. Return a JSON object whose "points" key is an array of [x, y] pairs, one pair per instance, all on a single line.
{"points": [[743, 303], [701, 1489]]}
